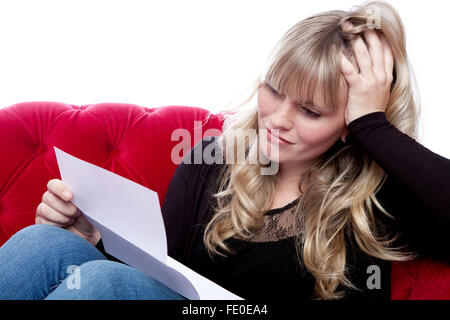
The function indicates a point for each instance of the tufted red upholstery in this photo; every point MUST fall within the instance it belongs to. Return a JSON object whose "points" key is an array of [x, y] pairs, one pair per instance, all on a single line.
{"points": [[130, 140], [134, 142]]}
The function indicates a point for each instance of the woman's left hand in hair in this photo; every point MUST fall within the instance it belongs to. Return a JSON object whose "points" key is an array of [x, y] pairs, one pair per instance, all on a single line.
{"points": [[369, 88]]}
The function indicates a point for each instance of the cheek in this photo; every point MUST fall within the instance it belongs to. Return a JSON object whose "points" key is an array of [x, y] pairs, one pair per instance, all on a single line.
{"points": [[312, 132], [265, 106]]}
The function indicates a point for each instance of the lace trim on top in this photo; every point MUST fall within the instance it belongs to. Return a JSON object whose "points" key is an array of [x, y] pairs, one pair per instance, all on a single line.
{"points": [[278, 225]]}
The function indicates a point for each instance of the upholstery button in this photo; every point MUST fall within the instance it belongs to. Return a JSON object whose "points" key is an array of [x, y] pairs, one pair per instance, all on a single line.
{"points": [[41, 150]]}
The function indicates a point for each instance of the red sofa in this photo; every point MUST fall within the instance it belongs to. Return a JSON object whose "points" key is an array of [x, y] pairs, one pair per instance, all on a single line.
{"points": [[134, 142]]}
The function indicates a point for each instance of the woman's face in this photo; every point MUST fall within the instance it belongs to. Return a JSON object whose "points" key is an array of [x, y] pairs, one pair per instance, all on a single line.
{"points": [[309, 129]]}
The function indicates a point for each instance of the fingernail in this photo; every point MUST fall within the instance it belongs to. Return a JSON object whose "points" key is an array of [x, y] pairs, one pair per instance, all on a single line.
{"points": [[348, 25], [66, 195]]}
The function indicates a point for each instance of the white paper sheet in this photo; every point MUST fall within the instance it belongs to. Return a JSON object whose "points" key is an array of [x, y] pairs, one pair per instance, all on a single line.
{"points": [[130, 221]]}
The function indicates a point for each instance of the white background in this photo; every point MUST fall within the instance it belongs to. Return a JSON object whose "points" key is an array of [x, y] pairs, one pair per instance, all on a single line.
{"points": [[193, 53]]}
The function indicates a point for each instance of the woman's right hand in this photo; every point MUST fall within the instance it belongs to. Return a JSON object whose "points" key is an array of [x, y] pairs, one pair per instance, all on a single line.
{"points": [[57, 209]]}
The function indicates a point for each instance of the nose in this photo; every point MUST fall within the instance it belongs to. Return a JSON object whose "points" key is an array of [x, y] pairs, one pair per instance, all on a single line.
{"points": [[282, 117]]}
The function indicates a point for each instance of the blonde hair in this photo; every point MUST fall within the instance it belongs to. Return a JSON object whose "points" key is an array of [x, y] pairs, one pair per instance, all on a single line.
{"points": [[341, 183]]}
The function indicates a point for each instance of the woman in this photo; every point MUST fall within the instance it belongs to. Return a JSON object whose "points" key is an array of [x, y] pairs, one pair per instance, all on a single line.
{"points": [[352, 191]]}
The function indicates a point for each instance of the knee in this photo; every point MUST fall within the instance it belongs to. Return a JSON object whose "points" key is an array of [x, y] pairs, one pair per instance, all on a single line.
{"points": [[36, 233], [103, 279], [42, 238], [117, 281], [105, 271], [44, 234]]}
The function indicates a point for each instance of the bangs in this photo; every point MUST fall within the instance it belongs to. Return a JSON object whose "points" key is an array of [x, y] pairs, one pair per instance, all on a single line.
{"points": [[298, 74]]}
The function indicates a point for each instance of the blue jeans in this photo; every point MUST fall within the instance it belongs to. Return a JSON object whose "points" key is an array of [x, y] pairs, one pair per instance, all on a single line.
{"points": [[48, 262]]}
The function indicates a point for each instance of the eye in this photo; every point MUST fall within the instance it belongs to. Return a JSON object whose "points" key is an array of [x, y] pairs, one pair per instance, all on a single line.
{"points": [[275, 92], [310, 113]]}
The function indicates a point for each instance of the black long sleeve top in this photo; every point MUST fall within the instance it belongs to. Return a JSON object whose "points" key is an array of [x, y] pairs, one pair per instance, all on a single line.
{"points": [[416, 193]]}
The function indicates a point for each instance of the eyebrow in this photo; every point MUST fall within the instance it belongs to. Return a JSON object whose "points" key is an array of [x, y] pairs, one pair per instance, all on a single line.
{"points": [[308, 103], [311, 104]]}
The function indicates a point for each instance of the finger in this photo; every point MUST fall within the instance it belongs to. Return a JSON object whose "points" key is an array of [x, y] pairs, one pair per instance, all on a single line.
{"points": [[60, 189], [347, 26], [72, 229], [376, 50], [50, 214], [388, 57], [349, 71], [42, 220], [65, 207], [83, 225], [362, 56]]}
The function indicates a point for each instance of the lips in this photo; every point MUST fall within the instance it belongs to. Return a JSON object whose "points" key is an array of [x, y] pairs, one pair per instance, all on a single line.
{"points": [[278, 137]]}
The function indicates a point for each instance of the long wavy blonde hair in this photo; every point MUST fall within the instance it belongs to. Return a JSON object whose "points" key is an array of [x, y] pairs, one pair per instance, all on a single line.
{"points": [[341, 185]]}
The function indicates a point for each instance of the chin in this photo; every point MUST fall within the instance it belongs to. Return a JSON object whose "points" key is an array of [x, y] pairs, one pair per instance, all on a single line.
{"points": [[282, 157]]}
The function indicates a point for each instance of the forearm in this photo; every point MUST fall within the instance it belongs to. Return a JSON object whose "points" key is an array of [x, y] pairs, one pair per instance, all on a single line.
{"points": [[423, 173]]}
